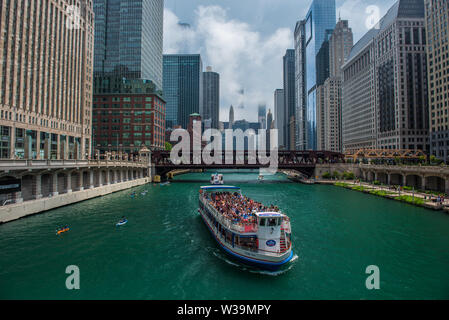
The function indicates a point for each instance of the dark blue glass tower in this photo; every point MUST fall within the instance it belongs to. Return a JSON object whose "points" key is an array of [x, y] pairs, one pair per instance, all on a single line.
{"points": [[128, 39], [182, 87], [320, 18]]}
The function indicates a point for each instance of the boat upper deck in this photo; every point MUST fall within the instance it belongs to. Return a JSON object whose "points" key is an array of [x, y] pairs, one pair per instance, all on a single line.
{"points": [[239, 213]]}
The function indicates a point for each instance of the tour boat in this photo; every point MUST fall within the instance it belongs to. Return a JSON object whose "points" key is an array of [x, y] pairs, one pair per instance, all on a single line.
{"points": [[216, 179], [261, 239]]}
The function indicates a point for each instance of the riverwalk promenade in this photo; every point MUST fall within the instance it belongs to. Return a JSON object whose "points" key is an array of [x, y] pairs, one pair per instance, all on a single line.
{"points": [[428, 200], [31, 186], [406, 189]]}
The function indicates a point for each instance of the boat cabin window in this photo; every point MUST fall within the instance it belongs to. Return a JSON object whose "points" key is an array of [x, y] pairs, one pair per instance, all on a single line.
{"points": [[262, 222], [272, 222]]}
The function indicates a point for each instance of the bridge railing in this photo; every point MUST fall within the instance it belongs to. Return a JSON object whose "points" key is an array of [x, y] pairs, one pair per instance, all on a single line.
{"points": [[6, 164]]}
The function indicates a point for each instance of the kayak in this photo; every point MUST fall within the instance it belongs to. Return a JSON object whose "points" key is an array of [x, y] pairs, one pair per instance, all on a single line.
{"points": [[121, 223], [62, 231]]}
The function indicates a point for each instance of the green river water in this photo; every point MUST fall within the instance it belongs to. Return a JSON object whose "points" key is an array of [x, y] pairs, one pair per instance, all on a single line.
{"points": [[166, 252]]}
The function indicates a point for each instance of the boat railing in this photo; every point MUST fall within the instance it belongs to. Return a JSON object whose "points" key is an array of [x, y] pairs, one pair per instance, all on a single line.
{"points": [[286, 226]]}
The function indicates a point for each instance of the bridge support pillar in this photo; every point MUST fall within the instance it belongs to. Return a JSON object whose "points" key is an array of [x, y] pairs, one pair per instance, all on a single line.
{"points": [[80, 181], [37, 186], [54, 184], [446, 185], [404, 180], [388, 179], [69, 182], [114, 176], [108, 177], [100, 177], [423, 182], [91, 179]]}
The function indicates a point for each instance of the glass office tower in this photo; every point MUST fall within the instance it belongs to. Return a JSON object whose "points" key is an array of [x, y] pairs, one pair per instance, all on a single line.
{"points": [[309, 36], [211, 96], [182, 87], [129, 39]]}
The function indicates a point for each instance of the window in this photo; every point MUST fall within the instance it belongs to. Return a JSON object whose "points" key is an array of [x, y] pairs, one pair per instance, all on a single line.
{"points": [[272, 222]]}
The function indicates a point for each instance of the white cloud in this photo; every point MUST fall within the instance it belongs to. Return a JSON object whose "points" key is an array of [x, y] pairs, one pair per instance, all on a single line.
{"points": [[356, 12], [245, 59], [176, 37]]}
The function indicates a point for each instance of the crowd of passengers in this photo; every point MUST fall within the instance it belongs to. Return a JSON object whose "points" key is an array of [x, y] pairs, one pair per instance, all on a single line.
{"points": [[238, 207]]}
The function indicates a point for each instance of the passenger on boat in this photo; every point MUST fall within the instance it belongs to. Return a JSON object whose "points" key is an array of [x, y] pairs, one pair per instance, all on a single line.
{"points": [[237, 207]]}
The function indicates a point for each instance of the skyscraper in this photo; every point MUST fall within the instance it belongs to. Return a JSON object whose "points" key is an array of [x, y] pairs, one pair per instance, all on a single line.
{"points": [[231, 118], [262, 116], [289, 96], [322, 61], [340, 45], [45, 87], [322, 73], [129, 39], [279, 114], [329, 92], [269, 127], [211, 96], [183, 88], [310, 34], [385, 99], [437, 22]]}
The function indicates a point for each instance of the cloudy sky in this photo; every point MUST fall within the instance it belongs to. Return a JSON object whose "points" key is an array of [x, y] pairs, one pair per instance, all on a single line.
{"points": [[245, 40]]}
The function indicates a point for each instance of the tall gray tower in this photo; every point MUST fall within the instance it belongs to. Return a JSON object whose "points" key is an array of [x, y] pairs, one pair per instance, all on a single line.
{"points": [[262, 116], [211, 97], [231, 117]]}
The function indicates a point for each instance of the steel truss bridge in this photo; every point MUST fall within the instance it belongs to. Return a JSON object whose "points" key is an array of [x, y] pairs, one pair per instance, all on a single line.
{"points": [[302, 161]]}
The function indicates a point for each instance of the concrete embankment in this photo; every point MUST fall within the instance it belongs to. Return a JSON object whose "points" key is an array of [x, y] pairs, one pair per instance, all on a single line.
{"points": [[20, 210]]}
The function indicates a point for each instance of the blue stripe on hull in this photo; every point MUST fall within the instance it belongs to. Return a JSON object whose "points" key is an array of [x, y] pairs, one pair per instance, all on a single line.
{"points": [[272, 266]]}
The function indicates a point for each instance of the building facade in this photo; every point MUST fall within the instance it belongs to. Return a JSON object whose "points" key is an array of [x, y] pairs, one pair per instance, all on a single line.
{"points": [[320, 118], [310, 34], [339, 48], [299, 119], [385, 100], [46, 83], [437, 22], [279, 115], [129, 118], [332, 114], [289, 94], [211, 96], [182, 87], [129, 39]]}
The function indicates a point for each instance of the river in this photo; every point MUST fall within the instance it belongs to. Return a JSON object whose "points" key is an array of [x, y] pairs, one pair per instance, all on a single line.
{"points": [[166, 252]]}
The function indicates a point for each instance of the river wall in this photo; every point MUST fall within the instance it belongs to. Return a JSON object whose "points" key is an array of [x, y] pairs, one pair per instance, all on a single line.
{"points": [[26, 208]]}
